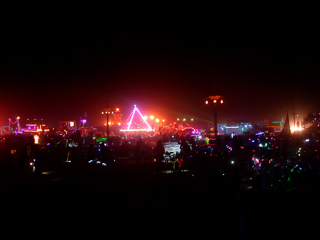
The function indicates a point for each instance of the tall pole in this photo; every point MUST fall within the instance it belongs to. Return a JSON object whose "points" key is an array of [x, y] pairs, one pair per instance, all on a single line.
{"points": [[107, 120], [215, 121], [216, 99]]}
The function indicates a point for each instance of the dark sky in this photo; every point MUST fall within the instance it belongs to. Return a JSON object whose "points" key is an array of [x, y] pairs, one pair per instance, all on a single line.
{"points": [[59, 62]]}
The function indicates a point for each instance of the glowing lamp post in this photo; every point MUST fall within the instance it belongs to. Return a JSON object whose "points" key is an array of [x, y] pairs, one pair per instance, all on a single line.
{"points": [[107, 112], [216, 99]]}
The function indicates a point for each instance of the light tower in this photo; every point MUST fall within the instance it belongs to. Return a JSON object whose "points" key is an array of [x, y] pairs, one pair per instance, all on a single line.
{"points": [[107, 111], [216, 99]]}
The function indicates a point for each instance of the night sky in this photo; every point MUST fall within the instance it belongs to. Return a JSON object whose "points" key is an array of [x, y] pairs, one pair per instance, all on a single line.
{"points": [[59, 62]]}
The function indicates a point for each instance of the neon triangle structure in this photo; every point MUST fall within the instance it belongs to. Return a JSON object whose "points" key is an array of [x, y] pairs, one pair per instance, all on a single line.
{"points": [[136, 122]]}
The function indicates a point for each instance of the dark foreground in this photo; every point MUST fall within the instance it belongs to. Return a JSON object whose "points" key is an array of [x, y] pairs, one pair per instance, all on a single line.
{"points": [[132, 200]]}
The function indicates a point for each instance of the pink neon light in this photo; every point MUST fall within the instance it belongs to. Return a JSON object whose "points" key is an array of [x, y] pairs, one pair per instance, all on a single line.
{"points": [[129, 124], [143, 118], [134, 130], [131, 118]]}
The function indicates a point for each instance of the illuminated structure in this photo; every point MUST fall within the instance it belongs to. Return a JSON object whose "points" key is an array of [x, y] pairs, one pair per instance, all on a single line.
{"points": [[296, 127], [117, 117], [66, 127], [68, 124], [35, 127], [107, 111], [216, 99], [136, 123], [114, 118], [6, 130], [83, 121], [36, 139], [277, 125], [17, 122], [237, 127]]}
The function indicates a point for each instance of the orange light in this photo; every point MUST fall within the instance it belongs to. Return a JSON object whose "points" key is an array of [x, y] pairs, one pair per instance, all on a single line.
{"points": [[221, 101], [207, 102], [214, 101], [36, 139]]}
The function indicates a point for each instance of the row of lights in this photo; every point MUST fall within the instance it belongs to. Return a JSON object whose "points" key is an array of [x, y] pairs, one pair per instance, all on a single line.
{"points": [[110, 111], [112, 123], [151, 117], [184, 119], [215, 99]]}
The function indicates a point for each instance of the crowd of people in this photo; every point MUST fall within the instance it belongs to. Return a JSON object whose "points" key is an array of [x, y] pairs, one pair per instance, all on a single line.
{"points": [[243, 157], [248, 171]]}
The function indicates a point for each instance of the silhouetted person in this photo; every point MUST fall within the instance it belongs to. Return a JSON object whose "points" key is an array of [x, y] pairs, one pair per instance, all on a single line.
{"points": [[23, 163], [140, 151], [91, 153], [159, 151], [106, 156], [61, 154], [38, 162]]}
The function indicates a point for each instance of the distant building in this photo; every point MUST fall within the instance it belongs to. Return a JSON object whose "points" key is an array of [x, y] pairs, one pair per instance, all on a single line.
{"points": [[275, 126], [237, 127], [68, 124], [117, 117], [35, 127], [66, 127]]}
